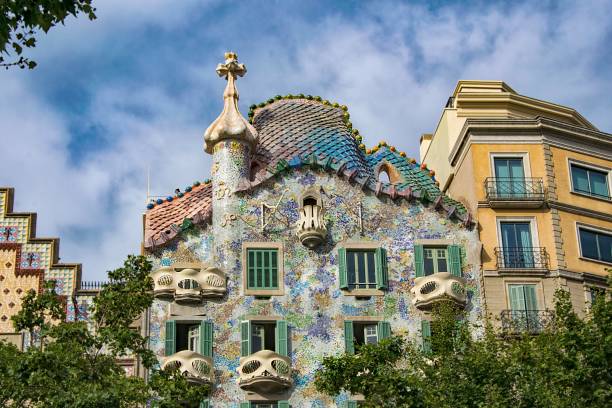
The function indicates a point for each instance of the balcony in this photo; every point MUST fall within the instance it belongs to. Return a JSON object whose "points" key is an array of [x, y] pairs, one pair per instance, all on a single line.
{"points": [[311, 228], [442, 286], [532, 259], [265, 372], [516, 322], [197, 368], [189, 283], [514, 193]]}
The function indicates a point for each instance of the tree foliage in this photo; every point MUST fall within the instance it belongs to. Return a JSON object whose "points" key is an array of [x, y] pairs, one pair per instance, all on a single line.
{"points": [[22, 20], [75, 365], [566, 365]]}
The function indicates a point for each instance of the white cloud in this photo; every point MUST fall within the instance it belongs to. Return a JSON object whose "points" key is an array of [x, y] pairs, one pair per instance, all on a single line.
{"points": [[393, 64]]}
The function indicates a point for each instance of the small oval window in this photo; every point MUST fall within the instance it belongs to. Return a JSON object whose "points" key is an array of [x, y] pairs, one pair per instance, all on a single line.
{"points": [[188, 284], [383, 176]]}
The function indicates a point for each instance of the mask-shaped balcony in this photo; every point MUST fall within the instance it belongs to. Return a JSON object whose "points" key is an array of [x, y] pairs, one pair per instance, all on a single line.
{"points": [[311, 228], [189, 283], [197, 368], [438, 287], [265, 372]]}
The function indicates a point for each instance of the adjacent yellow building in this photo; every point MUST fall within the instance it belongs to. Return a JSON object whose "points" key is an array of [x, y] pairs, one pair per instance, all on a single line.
{"points": [[537, 177]]}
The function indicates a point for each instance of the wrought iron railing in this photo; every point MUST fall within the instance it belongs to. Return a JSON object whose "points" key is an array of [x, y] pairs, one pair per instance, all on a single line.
{"points": [[526, 321], [91, 285], [521, 258], [499, 188]]}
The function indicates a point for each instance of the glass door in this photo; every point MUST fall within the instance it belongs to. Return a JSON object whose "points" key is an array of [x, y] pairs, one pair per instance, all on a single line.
{"points": [[524, 307], [510, 177], [517, 245]]}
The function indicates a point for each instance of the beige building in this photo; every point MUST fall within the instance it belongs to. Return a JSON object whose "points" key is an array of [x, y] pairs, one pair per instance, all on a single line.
{"points": [[536, 176]]}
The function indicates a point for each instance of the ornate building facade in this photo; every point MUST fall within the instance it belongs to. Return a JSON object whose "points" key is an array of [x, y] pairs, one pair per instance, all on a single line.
{"points": [[537, 177], [302, 244]]}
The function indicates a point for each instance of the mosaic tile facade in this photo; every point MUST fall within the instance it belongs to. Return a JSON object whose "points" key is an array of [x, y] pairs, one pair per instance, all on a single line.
{"points": [[27, 261], [313, 304]]}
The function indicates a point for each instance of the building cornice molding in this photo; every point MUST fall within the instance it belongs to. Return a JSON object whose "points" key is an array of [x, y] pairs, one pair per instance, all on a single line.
{"points": [[531, 131], [580, 210]]}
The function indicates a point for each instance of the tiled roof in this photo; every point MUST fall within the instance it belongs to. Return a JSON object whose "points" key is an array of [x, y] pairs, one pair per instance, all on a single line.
{"points": [[163, 222], [296, 132]]}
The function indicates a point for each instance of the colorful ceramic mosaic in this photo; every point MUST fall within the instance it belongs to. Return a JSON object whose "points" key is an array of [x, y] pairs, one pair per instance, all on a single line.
{"points": [[26, 261]]}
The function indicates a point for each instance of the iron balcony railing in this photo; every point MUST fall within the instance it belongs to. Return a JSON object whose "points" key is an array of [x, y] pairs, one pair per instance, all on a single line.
{"points": [[521, 258], [526, 321], [92, 285], [528, 189]]}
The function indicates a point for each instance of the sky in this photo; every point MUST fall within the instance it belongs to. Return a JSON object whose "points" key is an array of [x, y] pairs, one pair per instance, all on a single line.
{"points": [[134, 90]]}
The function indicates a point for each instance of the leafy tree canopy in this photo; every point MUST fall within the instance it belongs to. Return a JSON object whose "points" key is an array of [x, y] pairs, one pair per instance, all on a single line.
{"points": [[22, 20], [72, 365], [566, 365]]}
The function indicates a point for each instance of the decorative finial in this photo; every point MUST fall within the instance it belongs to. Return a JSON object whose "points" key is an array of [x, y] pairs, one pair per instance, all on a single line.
{"points": [[230, 124]]}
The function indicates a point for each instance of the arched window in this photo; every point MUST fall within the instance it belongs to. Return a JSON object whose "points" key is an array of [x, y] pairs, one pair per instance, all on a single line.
{"points": [[383, 176]]}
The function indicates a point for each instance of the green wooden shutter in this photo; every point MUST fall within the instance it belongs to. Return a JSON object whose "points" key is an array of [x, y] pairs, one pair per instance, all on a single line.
{"points": [[454, 259], [342, 268], [170, 345], [419, 265], [245, 338], [283, 404], [350, 404], [245, 404], [426, 335], [349, 345], [281, 338], [206, 338], [204, 404], [384, 330], [381, 268]]}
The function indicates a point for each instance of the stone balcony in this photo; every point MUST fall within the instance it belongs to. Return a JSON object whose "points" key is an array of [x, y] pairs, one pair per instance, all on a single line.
{"points": [[311, 228], [438, 287], [265, 372], [197, 368], [189, 283]]}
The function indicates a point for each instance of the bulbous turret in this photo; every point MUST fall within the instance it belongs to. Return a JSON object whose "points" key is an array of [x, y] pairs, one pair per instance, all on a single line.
{"points": [[230, 125]]}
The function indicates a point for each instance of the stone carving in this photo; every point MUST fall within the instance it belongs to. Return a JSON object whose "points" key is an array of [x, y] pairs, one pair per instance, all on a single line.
{"points": [[189, 283], [230, 124], [441, 286], [265, 371], [311, 227], [198, 369]]}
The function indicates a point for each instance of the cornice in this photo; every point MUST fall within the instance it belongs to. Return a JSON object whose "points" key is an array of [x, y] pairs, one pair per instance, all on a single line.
{"points": [[580, 210], [532, 131]]}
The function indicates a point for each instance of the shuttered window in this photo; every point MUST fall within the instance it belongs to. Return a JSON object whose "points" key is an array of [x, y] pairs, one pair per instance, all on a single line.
{"points": [[362, 268], [170, 341], [364, 332], [206, 338], [429, 260], [262, 268], [252, 334]]}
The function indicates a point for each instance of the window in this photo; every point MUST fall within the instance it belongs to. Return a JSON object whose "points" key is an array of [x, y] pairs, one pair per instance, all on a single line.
{"points": [[589, 181], [524, 307], [596, 293], [350, 404], [509, 176], [194, 336], [264, 335], [437, 259], [517, 245], [595, 245], [358, 333], [362, 268], [262, 268]]}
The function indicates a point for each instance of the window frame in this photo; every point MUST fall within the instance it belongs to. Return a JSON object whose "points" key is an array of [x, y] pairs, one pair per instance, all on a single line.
{"points": [[593, 167], [510, 155], [383, 329], [280, 290], [590, 228], [533, 226], [366, 246], [426, 243], [435, 258]]}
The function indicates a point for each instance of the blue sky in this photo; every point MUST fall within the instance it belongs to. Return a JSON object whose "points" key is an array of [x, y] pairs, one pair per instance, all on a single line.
{"points": [[136, 89]]}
